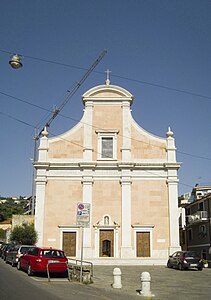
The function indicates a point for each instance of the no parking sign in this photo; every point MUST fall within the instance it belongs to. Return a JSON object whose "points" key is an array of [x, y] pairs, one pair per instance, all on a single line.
{"points": [[83, 214]]}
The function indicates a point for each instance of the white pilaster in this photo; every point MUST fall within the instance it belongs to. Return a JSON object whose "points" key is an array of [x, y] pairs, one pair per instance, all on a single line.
{"points": [[116, 241], [40, 208], [96, 250], [126, 248], [126, 136], [173, 216], [87, 198], [171, 149], [88, 131], [41, 186], [173, 194], [43, 148]]}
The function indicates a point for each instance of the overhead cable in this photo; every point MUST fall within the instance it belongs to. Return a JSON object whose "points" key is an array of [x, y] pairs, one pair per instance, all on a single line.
{"points": [[115, 75]]}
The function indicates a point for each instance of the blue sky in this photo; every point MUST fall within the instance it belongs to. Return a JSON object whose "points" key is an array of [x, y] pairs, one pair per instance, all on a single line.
{"points": [[159, 50]]}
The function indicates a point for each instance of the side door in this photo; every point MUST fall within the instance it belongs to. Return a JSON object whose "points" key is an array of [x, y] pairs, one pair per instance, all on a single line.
{"points": [[69, 243], [24, 259], [9, 253], [142, 244], [174, 259], [14, 253]]}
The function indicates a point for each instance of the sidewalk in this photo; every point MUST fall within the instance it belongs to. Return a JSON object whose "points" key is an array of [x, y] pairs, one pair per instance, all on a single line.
{"points": [[165, 283]]}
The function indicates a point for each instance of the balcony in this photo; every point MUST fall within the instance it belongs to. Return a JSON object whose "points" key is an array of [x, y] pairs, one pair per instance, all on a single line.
{"points": [[199, 216]]}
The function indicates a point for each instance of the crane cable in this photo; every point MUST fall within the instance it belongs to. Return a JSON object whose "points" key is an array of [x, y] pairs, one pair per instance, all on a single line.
{"points": [[70, 94]]}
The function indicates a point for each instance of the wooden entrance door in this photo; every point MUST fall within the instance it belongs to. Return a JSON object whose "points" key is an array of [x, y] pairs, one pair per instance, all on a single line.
{"points": [[142, 244], [106, 243], [69, 243]]}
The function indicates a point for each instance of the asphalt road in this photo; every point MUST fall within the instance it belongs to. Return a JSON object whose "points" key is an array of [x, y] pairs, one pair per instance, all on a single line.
{"points": [[166, 284], [16, 285]]}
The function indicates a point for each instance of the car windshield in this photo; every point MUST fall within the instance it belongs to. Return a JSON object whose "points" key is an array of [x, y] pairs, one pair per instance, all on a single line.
{"points": [[24, 249], [191, 254], [52, 253]]}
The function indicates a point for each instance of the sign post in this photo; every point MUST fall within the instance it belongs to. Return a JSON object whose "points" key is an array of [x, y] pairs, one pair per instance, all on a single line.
{"points": [[82, 246], [83, 219]]}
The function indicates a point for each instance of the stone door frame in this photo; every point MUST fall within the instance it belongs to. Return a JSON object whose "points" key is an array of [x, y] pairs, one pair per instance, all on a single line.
{"points": [[143, 228]]}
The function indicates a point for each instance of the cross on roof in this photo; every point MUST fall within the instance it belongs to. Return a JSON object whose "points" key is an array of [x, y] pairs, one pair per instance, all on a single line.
{"points": [[107, 74]]}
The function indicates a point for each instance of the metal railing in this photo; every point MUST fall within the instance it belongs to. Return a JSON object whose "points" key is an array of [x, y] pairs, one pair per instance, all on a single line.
{"points": [[51, 263], [201, 215], [80, 270]]}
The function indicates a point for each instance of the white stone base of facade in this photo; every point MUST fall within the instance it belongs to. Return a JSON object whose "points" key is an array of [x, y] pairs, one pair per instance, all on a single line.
{"points": [[87, 252], [127, 262], [163, 254], [127, 252]]}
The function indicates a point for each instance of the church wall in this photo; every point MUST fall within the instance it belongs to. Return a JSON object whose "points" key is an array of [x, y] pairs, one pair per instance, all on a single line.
{"points": [[106, 200], [68, 146], [134, 181], [150, 207], [60, 208], [144, 147]]}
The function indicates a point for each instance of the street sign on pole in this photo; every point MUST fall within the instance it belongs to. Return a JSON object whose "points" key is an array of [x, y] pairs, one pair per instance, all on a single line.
{"points": [[83, 214], [83, 220]]}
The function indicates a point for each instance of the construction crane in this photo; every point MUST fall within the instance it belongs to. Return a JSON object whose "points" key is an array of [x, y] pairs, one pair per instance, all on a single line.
{"points": [[73, 91], [57, 111]]}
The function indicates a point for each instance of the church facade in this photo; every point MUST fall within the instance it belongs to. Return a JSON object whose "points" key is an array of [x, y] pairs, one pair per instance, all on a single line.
{"points": [[108, 186]]}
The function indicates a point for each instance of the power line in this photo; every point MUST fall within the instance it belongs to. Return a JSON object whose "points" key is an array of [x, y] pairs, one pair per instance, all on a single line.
{"points": [[197, 156], [81, 146], [150, 172], [74, 90], [187, 92], [18, 120], [25, 123], [79, 121], [46, 60], [68, 117], [164, 87]]}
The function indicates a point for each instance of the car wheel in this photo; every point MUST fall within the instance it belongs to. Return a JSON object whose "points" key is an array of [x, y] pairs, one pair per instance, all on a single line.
{"points": [[200, 268], [19, 266], [169, 265], [29, 270], [180, 267]]}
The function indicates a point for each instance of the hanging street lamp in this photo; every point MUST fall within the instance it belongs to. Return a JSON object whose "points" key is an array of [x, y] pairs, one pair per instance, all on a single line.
{"points": [[15, 62]]}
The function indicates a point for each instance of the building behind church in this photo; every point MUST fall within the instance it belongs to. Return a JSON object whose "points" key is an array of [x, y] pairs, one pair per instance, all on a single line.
{"points": [[121, 177]]}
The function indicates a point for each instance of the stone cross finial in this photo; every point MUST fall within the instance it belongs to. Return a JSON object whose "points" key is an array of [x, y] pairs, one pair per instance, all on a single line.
{"points": [[107, 79], [169, 133]]}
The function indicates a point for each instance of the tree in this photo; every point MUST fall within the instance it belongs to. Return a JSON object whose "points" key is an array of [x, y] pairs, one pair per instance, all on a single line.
{"points": [[10, 208], [2, 234], [24, 235]]}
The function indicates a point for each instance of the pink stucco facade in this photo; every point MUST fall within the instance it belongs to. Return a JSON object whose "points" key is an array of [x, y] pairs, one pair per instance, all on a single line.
{"points": [[126, 175]]}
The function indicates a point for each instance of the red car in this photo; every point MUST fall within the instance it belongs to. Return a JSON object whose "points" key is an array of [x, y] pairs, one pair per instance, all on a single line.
{"points": [[38, 259]]}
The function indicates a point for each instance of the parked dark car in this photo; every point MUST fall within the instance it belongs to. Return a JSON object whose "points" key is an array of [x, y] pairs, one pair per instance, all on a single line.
{"points": [[184, 260], [38, 259], [5, 250], [2, 244], [15, 252]]}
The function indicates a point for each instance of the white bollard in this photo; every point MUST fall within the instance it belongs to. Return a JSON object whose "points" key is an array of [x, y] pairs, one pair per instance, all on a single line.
{"points": [[117, 278], [145, 285]]}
